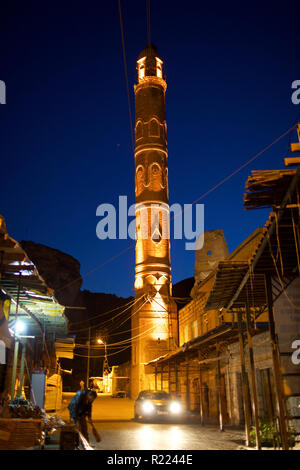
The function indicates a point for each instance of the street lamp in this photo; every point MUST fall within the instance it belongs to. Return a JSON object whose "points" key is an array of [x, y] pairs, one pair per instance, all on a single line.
{"points": [[19, 327], [105, 363]]}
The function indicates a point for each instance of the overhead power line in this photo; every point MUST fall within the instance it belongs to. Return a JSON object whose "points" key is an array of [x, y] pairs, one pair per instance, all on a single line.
{"points": [[148, 21], [126, 74], [106, 321]]}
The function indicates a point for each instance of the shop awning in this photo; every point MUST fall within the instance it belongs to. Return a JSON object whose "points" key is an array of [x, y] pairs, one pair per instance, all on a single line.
{"points": [[31, 299], [277, 249], [225, 333], [64, 347]]}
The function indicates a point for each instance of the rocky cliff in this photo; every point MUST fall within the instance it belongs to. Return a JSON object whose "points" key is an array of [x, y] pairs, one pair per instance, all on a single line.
{"points": [[60, 271]]}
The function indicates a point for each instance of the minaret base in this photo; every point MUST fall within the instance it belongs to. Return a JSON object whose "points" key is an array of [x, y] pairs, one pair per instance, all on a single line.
{"points": [[154, 335]]}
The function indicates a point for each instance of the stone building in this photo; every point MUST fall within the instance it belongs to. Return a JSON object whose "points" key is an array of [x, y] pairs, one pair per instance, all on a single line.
{"points": [[208, 352], [239, 338], [214, 249]]}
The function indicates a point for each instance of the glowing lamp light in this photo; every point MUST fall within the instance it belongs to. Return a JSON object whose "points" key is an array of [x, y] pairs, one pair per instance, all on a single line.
{"points": [[148, 407], [175, 407], [160, 322], [24, 272], [138, 282], [19, 327]]}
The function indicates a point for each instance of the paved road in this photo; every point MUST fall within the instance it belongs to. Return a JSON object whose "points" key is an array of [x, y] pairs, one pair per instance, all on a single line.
{"points": [[114, 421], [164, 436]]}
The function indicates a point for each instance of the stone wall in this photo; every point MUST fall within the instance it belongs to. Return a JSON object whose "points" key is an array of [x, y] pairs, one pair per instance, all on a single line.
{"points": [[287, 321]]}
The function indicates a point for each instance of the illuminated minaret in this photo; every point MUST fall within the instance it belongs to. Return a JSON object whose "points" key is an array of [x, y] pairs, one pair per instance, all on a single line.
{"points": [[154, 325]]}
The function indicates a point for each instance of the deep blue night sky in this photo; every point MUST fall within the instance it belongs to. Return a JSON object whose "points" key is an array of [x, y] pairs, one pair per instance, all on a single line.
{"points": [[65, 136]]}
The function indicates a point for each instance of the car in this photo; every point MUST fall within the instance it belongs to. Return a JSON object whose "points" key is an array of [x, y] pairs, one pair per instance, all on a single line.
{"points": [[156, 403]]}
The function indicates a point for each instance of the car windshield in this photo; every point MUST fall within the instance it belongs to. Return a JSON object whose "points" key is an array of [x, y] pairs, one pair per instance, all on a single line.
{"points": [[155, 395]]}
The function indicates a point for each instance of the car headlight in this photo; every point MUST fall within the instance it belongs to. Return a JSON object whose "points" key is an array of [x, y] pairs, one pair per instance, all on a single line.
{"points": [[175, 407], [148, 407]]}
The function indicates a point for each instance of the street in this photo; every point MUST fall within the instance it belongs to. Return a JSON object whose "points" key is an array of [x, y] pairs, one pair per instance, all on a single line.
{"points": [[113, 418], [164, 436]]}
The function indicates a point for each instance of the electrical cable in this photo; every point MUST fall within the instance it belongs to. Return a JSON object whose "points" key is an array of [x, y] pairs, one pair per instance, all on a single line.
{"points": [[126, 73], [104, 313], [106, 321], [148, 21], [120, 342], [107, 355], [109, 260], [127, 341]]}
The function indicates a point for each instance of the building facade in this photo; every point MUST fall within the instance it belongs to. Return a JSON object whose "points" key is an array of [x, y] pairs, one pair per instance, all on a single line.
{"points": [[238, 355]]}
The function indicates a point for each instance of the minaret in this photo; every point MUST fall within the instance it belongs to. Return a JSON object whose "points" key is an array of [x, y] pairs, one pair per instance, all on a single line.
{"points": [[154, 324]]}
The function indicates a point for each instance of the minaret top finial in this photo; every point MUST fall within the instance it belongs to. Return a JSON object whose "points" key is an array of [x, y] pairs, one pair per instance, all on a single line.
{"points": [[149, 51], [149, 63]]}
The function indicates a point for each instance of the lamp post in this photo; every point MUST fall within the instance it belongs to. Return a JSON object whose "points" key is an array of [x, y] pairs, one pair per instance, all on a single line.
{"points": [[105, 362], [88, 360], [14, 369], [18, 328], [19, 394]]}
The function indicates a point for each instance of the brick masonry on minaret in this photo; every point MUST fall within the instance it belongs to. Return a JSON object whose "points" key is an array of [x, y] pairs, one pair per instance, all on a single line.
{"points": [[154, 326], [151, 171]]}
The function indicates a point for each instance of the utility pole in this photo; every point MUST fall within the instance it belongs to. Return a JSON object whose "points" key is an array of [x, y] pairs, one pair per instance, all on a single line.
{"points": [[105, 363], [88, 360], [244, 376], [253, 377], [14, 369], [276, 365], [16, 343], [22, 369]]}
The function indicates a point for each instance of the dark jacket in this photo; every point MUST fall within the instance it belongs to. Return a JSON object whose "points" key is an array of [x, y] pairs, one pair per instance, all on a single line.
{"points": [[79, 406]]}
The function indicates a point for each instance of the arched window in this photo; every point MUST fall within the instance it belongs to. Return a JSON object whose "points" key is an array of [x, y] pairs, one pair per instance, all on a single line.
{"points": [[153, 128], [140, 180], [158, 68], [141, 71], [139, 130], [159, 71], [156, 177], [156, 170]]}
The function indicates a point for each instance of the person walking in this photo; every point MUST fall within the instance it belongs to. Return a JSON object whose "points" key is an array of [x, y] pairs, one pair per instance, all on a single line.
{"points": [[81, 383], [80, 409]]}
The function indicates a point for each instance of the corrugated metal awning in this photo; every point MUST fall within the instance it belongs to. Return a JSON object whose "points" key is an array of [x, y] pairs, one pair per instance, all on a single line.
{"points": [[64, 347], [21, 282]]}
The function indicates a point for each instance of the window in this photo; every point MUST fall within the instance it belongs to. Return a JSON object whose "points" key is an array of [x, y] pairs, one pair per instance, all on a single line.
{"points": [[159, 71], [186, 334], [141, 71], [195, 329], [205, 322], [155, 176], [158, 68], [139, 130], [140, 180], [155, 169], [154, 128]]}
